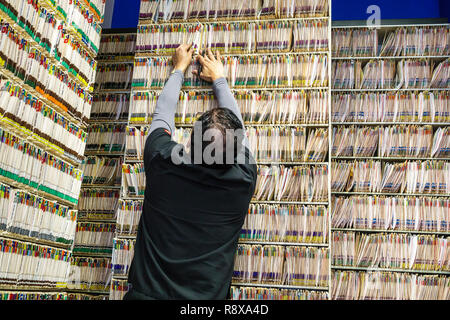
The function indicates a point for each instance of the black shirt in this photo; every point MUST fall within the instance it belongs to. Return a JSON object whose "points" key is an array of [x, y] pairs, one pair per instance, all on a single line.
{"points": [[190, 225]]}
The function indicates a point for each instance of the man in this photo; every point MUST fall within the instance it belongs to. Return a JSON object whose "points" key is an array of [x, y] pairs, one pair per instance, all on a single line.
{"points": [[194, 209]]}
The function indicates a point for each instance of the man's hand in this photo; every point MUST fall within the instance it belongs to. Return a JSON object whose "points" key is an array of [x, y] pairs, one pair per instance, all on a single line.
{"points": [[212, 67], [183, 57]]}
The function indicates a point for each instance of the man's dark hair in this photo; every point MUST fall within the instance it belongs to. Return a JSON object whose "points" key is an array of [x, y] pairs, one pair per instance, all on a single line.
{"points": [[221, 119]]}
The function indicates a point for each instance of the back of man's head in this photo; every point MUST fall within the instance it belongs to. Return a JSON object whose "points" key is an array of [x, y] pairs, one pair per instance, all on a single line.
{"points": [[217, 137]]}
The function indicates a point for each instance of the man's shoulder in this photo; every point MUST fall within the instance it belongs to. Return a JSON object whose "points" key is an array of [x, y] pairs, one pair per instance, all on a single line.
{"points": [[159, 142], [159, 134]]}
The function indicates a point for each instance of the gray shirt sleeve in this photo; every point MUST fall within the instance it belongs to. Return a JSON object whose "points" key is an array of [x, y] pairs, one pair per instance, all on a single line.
{"points": [[166, 106], [226, 99]]}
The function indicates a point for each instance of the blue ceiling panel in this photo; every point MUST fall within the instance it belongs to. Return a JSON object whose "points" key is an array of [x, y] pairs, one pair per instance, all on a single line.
{"points": [[126, 12]]}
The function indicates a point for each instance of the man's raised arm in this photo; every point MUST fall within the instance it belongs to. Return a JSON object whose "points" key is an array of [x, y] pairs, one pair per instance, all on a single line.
{"points": [[166, 106], [213, 71]]}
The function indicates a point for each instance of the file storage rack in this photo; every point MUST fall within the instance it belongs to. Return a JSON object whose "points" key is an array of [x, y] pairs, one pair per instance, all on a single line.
{"points": [[103, 212], [57, 205], [341, 270]]}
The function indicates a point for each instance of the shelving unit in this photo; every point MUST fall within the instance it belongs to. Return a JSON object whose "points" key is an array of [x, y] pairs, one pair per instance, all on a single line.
{"points": [[338, 270], [434, 124], [248, 125], [300, 163], [96, 197], [388, 90], [393, 194], [49, 129], [117, 49], [43, 158], [392, 231], [391, 270], [234, 89], [143, 22], [276, 286], [285, 243]]}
